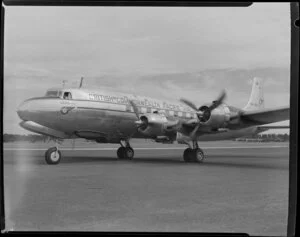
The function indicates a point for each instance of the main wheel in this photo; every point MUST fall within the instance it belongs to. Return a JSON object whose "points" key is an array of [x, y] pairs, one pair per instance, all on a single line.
{"points": [[198, 155], [187, 155], [120, 152], [52, 156], [128, 153]]}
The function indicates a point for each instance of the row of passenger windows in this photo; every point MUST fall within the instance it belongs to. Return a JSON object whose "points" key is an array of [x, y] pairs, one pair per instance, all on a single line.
{"points": [[167, 112]]}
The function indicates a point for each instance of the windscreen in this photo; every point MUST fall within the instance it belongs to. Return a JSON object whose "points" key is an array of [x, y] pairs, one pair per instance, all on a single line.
{"points": [[53, 93]]}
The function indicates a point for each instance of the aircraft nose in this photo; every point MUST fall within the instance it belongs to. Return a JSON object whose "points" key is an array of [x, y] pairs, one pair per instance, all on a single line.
{"points": [[24, 110]]}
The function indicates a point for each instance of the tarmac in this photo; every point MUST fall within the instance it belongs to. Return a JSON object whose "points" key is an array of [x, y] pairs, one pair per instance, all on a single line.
{"points": [[240, 187]]}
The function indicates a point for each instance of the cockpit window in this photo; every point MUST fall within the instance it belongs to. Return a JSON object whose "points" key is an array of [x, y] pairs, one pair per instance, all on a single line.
{"points": [[67, 95], [52, 93]]}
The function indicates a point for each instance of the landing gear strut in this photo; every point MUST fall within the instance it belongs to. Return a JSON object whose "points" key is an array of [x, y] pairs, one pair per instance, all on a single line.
{"points": [[194, 154], [125, 152]]}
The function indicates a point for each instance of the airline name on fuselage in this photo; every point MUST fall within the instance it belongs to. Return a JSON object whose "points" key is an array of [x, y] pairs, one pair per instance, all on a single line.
{"points": [[143, 102]]}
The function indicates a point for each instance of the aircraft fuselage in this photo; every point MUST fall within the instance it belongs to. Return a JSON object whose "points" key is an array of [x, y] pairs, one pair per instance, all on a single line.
{"points": [[106, 115]]}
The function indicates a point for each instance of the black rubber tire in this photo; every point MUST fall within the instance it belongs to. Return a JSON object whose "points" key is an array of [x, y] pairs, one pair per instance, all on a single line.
{"points": [[128, 153], [198, 155], [120, 152], [187, 155], [51, 158]]}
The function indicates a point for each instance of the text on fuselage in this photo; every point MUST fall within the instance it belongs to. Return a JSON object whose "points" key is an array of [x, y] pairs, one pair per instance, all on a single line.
{"points": [[138, 102]]}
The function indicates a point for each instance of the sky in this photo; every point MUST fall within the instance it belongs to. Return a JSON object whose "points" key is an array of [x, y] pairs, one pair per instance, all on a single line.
{"points": [[153, 51]]}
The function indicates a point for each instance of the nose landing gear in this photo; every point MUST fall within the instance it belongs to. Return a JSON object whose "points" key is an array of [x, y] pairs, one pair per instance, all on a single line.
{"points": [[52, 156], [194, 154], [125, 152]]}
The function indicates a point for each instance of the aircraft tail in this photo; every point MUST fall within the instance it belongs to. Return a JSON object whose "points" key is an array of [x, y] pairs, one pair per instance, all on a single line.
{"points": [[256, 100]]}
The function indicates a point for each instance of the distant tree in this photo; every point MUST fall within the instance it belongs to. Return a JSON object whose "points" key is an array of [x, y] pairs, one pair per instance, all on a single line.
{"points": [[17, 137]]}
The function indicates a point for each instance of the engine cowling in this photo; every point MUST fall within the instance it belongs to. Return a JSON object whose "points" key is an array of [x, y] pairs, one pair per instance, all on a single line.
{"points": [[217, 118], [153, 125]]}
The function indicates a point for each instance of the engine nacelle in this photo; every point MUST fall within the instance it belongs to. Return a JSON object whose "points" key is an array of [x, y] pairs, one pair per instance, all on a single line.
{"points": [[217, 118], [153, 125]]}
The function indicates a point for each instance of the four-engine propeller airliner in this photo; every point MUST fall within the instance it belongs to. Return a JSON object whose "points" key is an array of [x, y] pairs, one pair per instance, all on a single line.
{"points": [[111, 117]]}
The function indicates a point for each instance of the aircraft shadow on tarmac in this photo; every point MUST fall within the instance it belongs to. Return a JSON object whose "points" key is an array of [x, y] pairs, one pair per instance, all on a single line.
{"points": [[238, 162]]}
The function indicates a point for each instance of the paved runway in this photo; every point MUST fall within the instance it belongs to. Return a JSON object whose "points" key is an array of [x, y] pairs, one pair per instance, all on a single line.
{"points": [[240, 188]]}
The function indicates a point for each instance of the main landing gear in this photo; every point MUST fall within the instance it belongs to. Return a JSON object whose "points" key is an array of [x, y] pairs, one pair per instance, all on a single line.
{"points": [[194, 154], [125, 152]]}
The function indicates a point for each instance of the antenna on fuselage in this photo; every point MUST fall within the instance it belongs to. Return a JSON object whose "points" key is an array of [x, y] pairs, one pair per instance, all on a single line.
{"points": [[81, 82]]}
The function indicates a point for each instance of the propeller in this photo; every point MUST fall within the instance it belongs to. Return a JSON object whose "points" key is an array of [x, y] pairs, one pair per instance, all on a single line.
{"points": [[216, 103], [204, 114], [141, 122], [191, 105], [135, 109]]}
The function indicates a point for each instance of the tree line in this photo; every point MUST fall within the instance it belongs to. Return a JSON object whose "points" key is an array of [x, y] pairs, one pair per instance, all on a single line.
{"points": [[27, 138], [271, 137]]}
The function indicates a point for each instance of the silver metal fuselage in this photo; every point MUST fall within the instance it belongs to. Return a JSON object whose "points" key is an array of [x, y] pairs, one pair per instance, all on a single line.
{"points": [[106, 113]]}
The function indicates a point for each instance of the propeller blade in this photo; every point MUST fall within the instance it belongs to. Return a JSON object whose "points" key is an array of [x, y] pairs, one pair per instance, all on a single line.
{"points": [[219, 101], [135, 109], [189, 103]]}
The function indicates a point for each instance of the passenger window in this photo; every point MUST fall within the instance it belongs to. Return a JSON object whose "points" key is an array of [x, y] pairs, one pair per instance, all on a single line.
{"points": [[67, 96]]}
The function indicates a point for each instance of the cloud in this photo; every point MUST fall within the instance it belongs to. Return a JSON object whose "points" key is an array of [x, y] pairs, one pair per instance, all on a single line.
{"points": [[148, 39]]}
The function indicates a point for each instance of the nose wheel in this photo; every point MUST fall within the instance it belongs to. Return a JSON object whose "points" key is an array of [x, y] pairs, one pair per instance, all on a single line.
{"points": [[52, 156], [125, 152], [193, 155]]}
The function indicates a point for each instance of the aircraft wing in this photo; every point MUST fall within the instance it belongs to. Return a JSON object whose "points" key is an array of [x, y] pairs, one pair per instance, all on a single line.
{"points": [[266, 116], [249, 118], [265, 128]]}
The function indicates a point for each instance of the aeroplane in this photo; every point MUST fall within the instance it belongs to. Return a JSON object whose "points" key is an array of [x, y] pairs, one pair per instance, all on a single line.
{"points": [[113, 117]]}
